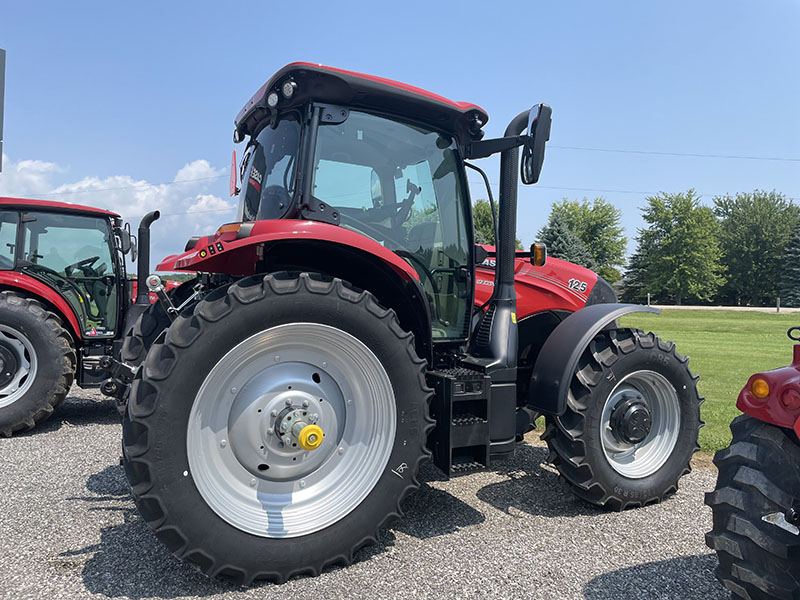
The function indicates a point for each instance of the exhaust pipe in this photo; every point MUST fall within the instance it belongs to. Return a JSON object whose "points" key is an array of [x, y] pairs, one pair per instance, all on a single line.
{"points": [[497, 332], [143, 269]]}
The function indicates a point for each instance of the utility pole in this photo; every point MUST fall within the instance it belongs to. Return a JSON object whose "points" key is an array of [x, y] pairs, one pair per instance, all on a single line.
{"points": [[2, 100]]}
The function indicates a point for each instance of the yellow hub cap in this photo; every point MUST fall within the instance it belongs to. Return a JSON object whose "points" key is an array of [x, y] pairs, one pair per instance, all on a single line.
{"points": [[310, 437]]}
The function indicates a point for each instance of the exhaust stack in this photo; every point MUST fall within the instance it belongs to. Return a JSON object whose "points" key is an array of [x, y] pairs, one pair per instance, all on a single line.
{"points": [[143, 269]]}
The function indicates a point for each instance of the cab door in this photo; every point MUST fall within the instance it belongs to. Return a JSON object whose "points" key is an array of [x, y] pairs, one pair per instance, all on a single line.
{"points": [[74, 254]]}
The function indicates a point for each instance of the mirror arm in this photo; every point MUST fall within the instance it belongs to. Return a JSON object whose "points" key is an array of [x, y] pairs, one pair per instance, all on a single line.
{"points": [[486, 148]]}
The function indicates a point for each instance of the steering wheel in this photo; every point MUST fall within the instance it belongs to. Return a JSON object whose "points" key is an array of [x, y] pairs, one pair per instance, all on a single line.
{"points": [[86, 263]]}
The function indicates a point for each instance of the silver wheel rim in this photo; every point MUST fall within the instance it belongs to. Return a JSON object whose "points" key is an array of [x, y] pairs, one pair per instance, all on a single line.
{"points": [[26, 367], [648, 456], [235, 454]]}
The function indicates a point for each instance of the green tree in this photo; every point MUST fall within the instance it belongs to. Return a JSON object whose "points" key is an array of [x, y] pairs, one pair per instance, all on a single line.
{"points": [[634, 283], [680, 251], [754, 231], [484, 225], [562, 242], [597, 224], [789, 279]]}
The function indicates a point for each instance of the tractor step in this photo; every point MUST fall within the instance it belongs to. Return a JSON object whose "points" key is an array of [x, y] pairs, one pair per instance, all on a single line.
{"points": [[460, 441]]}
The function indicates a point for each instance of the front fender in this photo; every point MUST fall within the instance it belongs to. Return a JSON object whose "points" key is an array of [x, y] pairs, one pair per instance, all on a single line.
{"points": [[40, 291], [560, 353]]}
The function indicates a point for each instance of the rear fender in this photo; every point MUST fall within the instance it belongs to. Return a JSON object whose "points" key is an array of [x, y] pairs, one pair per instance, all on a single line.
{"points": [[12, 280], [561, 351], [292, 245], [238, 252]]}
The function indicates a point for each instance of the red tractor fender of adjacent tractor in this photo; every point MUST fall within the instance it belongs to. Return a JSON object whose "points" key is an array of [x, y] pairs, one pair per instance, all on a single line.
{"points": [[34, 287], [781, 406], [556, 285]]}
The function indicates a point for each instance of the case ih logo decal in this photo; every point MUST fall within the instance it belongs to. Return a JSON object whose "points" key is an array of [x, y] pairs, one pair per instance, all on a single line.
{"points": [[211, 250]]}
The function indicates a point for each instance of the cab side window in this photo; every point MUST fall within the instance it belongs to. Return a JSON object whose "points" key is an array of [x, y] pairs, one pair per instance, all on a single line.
{"points": [[8, 239]]}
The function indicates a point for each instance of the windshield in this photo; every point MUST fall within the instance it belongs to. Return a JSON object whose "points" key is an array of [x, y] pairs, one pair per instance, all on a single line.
{"points": [[268, 171], [399, 184]]}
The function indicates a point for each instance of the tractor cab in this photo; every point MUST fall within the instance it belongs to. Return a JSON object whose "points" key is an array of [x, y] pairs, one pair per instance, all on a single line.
{"points": [[397, 181], [76, 251]]}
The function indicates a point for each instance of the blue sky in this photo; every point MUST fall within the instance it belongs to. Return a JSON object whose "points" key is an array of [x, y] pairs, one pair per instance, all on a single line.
{"points": [[106, 103]]}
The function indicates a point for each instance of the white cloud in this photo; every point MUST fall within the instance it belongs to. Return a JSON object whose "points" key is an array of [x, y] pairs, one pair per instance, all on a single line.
{"points": [[27, 177], [188, 205]]}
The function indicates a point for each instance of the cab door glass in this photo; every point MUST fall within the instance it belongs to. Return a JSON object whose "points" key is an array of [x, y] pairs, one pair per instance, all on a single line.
{"points": [[73, 255], [8, 239], [400, 184]]}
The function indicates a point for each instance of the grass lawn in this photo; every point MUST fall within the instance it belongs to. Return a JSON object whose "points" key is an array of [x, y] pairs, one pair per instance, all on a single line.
{"points": [[725, 347]]}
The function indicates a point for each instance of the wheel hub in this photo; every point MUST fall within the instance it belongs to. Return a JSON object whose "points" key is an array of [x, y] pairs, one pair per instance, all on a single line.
{"points": [[640, 424], [271, 414], [631, 420], [19, 365], [8, 364]]}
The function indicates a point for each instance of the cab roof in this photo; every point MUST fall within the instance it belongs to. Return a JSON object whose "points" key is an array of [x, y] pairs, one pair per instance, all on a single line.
{"points": [[357, 90], [52, 206]]}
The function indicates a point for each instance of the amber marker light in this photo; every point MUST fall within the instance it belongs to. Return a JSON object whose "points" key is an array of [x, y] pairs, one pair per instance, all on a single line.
{"points": [[538, 254], [228, 228], [759, 388]]}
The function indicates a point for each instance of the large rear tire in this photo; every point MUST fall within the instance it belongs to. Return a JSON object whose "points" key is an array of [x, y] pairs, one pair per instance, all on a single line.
{"points": [[631, 423], [759, 475], [150, 324], [38, 362], [212, 468]]}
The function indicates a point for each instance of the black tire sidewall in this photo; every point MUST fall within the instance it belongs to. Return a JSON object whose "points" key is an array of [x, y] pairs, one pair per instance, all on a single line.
{"points": [[51, 363], [676, 372], [179, 495]]}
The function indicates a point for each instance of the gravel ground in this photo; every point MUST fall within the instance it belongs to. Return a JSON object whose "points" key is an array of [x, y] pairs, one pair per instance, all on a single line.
{"points": [[69, 529]]}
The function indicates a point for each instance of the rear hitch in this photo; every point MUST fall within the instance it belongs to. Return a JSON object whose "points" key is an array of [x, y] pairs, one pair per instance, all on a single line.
{"points": [[119, 383]]}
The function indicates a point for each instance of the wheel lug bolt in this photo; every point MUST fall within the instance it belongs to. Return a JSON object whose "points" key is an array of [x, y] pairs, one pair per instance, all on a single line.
{"points": [[252, 483], [302, 483], [305, 403], [288, 402], [277, 358], [223, 443], [341, 450], [274, 413]]}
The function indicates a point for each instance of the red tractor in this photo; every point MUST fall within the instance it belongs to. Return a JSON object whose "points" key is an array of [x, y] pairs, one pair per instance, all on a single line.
{"points": [[756, 504], [335, 339], [64, 302]]}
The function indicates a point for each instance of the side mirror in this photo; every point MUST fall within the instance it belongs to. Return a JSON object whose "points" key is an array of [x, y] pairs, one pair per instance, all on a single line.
{"points": [[124, 236], [539, 120], [133, 248]]}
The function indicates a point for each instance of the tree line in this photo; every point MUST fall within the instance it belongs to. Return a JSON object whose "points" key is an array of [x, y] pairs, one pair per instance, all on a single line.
{"points": [[742, 250]]}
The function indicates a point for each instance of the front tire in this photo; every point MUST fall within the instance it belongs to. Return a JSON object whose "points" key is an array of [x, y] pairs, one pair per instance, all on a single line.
{"points": [[214, 471], [759, 475], [38, 363], [631, 422]]}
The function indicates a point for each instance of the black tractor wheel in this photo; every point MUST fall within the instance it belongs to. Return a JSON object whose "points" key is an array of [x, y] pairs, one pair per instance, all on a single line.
{"points": [[150, 324], [276, 427], [37, 358], [631, 422], [756, 508]]}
